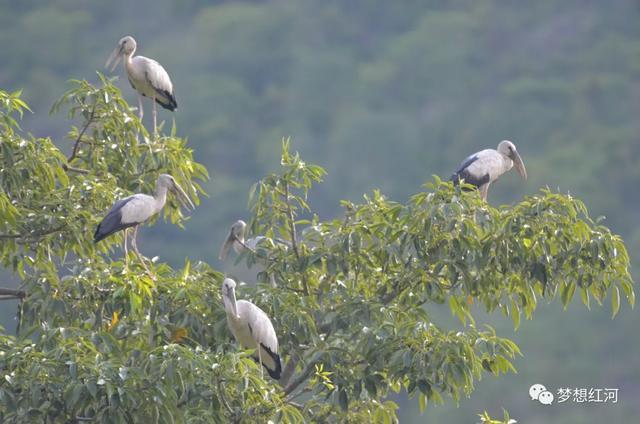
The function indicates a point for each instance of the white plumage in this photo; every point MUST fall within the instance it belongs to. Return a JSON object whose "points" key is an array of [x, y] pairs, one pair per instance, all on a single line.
{"points": [[146, 76], [235, 240], [137, 209], [486, 166], [252, 329]]}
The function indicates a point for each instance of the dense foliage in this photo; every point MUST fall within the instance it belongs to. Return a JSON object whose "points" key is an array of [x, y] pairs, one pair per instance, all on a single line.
{"points": [[101, 341]]}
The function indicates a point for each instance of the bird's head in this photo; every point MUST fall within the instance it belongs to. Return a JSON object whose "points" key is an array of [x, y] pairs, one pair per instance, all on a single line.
{"points": [[228, 286], [236, 233], [168, 182], [508, 149], [229, 296], [238, 228], [126, 45]]}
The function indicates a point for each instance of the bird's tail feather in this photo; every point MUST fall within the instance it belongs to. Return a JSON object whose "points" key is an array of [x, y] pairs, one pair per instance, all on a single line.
{"points": [[277, 372], [171, 103], [103, 231]]}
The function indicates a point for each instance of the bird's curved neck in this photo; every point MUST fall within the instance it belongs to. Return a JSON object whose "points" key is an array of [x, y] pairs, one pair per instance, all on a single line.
{"points": [[161, 196], [128, 59], [507, 162]]}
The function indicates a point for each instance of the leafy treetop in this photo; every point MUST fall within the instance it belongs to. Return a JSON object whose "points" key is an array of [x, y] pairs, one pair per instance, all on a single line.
{"points": [[99, 341]]}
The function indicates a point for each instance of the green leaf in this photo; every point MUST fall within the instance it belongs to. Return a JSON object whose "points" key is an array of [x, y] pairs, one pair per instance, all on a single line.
{"points": [[567, 294], [615, 301], [422, 402]]}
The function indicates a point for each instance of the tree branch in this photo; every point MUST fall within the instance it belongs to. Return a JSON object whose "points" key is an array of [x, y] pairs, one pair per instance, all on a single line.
{"points": [[69, 168], [224, 400], [292, 223], [289, 369], [76, 146], [304, 375], [7, 294], [294, 238], [27, 236]]}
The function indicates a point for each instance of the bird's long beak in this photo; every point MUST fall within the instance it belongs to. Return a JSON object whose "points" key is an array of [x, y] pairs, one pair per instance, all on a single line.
{"points": [[230, 300], [519, 164], [226, 246], [114, 57], [182, 197]]}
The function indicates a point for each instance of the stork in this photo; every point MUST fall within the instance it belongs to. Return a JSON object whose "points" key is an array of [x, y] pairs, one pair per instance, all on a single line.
{"points": [[252, 329], [146, 76], [137, 209], [235, 239], [486, 166]]}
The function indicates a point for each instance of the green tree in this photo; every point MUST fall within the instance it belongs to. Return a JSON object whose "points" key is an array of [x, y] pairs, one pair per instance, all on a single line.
{"points": [[100, 341]]}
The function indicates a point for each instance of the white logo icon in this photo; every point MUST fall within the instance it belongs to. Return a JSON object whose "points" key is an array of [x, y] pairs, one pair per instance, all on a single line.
{"points": [[546, 398], [541, 394], [535, 390]]}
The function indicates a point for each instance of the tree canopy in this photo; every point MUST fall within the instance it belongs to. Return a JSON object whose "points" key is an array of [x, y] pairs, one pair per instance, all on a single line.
{"points": [[98, 340]]}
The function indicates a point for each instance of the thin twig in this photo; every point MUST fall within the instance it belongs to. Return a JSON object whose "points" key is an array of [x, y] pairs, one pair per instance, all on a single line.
{"points": [[235, 238], [292, 223], [296, 405], [224, 400], [26, 236], [69, 168], [294, 238], [76, 146]]}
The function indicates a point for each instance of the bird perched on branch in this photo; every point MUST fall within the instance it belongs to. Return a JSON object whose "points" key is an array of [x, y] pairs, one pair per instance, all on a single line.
{"points": [[252, 329], [137, 209], [146, 76], [486, 166]]}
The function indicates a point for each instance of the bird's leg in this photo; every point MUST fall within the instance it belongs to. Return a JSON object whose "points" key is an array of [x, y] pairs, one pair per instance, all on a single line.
{"points": [[140, 257], [484, 191], [260, 363], [140, 114], [140, 110], [155, 114], [126, 251]]}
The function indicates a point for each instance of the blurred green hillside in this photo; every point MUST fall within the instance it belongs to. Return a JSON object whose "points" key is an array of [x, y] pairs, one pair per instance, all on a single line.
{"points": [[384, 94]]}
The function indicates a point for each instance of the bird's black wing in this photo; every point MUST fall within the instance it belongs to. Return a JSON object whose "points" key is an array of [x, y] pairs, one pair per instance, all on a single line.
{"points": [[113, 221], [170, 103], [462, 173], [276, 373]]}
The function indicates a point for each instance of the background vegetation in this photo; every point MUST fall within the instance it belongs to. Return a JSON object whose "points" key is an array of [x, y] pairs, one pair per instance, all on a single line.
{"points": [[383, 95]]}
